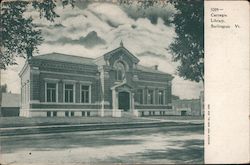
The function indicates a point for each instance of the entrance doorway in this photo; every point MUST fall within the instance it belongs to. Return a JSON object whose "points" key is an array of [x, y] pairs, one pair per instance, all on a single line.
{"points": [[183, 113], [123, 100]]}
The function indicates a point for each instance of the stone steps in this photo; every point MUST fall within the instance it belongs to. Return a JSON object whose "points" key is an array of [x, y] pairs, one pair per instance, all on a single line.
{"points": [[127, 114]]}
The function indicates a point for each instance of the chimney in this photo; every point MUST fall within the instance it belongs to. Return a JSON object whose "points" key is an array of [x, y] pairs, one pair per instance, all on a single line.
{"points": [[156, 67]]}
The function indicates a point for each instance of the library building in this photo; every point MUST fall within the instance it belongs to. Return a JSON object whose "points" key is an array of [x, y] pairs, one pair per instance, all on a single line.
{"points": [[114, 84]]}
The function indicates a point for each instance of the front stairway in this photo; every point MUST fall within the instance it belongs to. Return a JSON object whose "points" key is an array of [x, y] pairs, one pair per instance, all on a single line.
{"points": [[128, 114]]}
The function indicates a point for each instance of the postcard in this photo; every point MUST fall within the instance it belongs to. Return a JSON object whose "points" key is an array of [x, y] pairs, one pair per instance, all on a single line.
{"points": [[124, 82]]}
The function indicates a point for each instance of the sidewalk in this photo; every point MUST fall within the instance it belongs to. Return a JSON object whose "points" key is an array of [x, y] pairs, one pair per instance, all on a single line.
{"points": [[149, 123], [174, 120]]}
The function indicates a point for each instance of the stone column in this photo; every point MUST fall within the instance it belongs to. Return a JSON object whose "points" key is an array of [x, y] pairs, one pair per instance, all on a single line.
{"points": [[132, 101], [116, 100], [113, 99], [100, 68]]}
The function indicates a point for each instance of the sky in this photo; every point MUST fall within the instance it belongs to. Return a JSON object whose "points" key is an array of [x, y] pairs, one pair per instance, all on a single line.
{"points": [[90, 30]]}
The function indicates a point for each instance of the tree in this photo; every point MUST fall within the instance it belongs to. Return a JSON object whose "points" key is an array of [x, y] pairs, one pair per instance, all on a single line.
{"points": [[188, 46], [19, 36]]}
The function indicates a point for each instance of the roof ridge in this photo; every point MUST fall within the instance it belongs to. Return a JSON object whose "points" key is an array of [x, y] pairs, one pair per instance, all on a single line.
{"points": [[151, 69], [65, 55]]}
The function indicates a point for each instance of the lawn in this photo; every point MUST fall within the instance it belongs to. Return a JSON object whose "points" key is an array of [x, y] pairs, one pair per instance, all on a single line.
{"points": [[177, 117], [43, 121]]}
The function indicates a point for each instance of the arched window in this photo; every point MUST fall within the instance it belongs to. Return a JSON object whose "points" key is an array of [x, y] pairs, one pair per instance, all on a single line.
{"points": [[120, 70]]}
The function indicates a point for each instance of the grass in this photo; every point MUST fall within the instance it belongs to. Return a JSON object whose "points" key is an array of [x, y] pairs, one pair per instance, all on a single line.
{"points": [[43, 121], [177, 117]]}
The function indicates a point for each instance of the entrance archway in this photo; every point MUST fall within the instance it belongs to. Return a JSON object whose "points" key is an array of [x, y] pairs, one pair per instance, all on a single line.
{"points": [[124, 101]]}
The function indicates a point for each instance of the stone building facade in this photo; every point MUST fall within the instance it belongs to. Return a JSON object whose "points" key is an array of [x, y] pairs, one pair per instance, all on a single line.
{"points": [[187, 107], [63, 85]]}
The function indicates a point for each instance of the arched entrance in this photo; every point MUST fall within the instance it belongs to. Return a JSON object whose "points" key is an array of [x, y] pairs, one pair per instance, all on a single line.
{"points": [[124, 101]]}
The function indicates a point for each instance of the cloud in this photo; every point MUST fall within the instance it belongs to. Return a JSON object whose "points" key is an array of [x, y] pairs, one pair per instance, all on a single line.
{"points": [[89, 41], [97, 28], [152, 13], [110, 13], [151, 54]]}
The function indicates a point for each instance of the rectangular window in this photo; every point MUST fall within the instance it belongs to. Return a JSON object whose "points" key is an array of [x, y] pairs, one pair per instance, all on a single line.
{"points": [[67, 113], [48, 114], [69, 93], [140, 96], [72, 113], [51, 92], [54, 113], [88, 113], [83, 113], [150, 97], [160, 97], [85, 94]]}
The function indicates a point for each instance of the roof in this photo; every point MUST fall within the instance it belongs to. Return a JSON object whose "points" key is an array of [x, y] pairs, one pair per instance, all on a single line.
{"points": [[11, 100], [66, 58], [149, 69], [121, 48], [91, 61]]}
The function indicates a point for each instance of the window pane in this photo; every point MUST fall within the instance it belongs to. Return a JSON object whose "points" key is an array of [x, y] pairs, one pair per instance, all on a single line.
{"points": [[51, 92], [69, 86], [120, 70], [66, 96], [160, 96], [51, 85], [48, 113], [71, 96], [119, 75], [53, 96], [48, 95], [85, 94], [69, 93], [140, 96], [150, 96], [85, 87]]}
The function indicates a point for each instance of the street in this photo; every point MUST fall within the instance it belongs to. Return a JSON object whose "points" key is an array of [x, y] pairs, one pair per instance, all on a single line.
{"points": [[173, 144]]}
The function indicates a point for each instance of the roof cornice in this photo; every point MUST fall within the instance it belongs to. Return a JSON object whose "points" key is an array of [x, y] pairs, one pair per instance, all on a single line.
{"points": [[109, 54]]}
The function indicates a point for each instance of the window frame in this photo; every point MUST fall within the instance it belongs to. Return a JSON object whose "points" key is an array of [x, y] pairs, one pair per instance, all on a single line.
{"points": [[48, 114], [54, 113], [159, 98], [120, 68], [56, 92], [152, 97], [140, 98], [89, 90], [69, 83]]}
